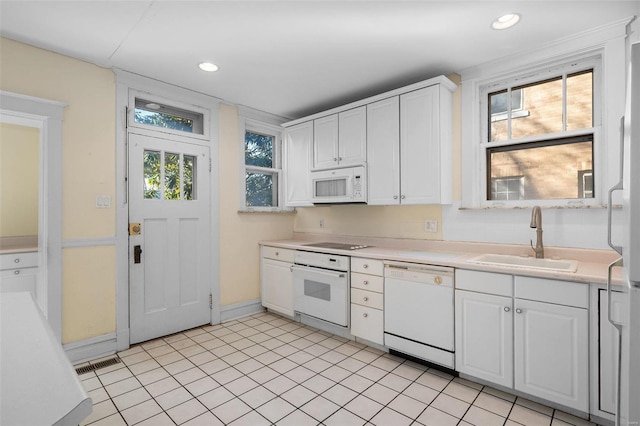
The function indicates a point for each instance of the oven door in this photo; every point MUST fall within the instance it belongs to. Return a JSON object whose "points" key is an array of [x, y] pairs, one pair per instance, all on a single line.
{"points": [[321, 293]]}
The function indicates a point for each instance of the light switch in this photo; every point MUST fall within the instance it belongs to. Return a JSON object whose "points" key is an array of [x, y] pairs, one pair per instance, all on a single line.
{"points": [[103, 201]]}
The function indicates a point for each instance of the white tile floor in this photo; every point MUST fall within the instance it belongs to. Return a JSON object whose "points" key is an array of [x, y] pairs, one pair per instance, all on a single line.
{"points": [[266, 369]]}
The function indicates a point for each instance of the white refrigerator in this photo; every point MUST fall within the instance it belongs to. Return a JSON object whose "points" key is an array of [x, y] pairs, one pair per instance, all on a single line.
{"points": [[628, 396]]}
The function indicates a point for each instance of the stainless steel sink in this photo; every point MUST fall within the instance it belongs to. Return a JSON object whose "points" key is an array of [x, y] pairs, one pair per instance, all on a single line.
{"points": [[526, 262]]}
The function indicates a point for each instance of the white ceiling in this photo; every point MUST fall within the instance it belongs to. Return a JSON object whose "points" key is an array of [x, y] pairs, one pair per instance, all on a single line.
{"points": [[294, 58]]}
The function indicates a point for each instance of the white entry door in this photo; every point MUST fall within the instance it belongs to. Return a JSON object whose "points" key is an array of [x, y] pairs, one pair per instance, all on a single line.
{"points": [[170, 258]]}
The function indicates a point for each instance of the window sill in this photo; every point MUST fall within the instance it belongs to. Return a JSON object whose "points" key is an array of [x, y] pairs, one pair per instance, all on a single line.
{"points": [[550, 207], [269, 210]]}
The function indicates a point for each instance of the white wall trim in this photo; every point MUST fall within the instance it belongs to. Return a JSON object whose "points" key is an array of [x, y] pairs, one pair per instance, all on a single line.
{"points": [[89, 242], [239, 310], [47, 116], [92, 348]]}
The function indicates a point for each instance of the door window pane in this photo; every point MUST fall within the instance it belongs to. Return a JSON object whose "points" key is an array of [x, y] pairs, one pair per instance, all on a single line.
{"points": [[151, 160], [171, 176], [548, 169], [189, 177]]}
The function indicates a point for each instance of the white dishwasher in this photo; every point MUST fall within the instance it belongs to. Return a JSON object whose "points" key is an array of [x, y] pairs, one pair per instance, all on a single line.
{"points": [[418, 311]]}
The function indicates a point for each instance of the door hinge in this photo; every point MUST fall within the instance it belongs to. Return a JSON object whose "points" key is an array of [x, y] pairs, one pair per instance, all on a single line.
{"points": [[210, 301]]}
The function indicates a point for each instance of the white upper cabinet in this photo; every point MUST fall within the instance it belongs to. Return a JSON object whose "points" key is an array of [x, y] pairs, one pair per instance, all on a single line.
{"points": [[383, 151], [409, 148], [325, 142], [298, 145], [340, 139]]}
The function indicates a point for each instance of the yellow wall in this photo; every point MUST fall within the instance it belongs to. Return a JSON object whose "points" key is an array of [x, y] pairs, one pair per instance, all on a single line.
{"points": [[19, 180], [88, 166], [241, 232]]}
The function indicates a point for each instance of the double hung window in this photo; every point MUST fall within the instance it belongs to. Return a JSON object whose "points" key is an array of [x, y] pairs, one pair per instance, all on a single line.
{"points": [[262, 169], [540, 134]]}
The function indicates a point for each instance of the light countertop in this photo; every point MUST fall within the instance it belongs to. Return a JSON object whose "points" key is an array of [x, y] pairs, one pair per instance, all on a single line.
{"points": [[592, 264]]}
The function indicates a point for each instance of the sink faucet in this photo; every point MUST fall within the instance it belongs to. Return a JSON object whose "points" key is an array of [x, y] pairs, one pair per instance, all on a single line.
{"points": [[536, 222]]}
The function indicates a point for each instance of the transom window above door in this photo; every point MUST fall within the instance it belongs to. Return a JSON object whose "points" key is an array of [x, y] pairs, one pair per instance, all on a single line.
{"points": [[155, 114]]}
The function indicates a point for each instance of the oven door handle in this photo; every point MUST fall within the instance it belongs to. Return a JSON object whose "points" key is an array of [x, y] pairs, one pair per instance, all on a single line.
{"points": [[303, 269]]}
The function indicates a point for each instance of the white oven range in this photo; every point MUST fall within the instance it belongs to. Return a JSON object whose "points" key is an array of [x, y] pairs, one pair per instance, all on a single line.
{"points": [[321, 286]]}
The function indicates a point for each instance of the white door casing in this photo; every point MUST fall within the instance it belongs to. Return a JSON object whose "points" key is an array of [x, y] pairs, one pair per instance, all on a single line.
{"points": [[170, 286]]}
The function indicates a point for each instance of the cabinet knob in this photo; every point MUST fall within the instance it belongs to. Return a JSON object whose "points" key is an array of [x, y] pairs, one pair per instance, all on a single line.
{"points": [[402, 197], [395, 197], [365, 282], [16, 272], [365, 298], [17, 260], [438, 280], [339, 158], [365, 315], [507, 309], [518, 311], [277, 253], [365, 266], [335, 159]]}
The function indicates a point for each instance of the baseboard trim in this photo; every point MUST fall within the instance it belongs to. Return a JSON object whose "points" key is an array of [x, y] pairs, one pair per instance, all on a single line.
{"points": [[239, 310], [90, 349]]}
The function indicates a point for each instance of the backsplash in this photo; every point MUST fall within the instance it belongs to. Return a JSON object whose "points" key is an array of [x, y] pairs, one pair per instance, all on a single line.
{"points": [[371, 221]]}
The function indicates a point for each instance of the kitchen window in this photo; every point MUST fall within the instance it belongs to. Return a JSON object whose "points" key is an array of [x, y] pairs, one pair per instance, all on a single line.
{"points": [[261, 183], [539, 135]]}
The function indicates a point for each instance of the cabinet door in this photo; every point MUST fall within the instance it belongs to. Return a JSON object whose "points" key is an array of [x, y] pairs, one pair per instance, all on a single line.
{"points": [[551, 352], [277, 286], [383, 151], [420, 146], [352, 136], [325, 142], [484, 337], [367, 323], [298, 145], [23, 279]]}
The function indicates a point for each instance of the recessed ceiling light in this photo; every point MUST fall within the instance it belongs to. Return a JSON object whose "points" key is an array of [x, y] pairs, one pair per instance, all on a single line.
{"points": [[505, 21], [208, 66]]}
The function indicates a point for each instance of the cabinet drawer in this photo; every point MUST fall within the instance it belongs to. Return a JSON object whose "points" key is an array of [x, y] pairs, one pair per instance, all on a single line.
{"points": [[19, 260], [367, 298], [367, 323], [552, 291], [276, 253], [367, 266], [367, 282], [484, 282]]}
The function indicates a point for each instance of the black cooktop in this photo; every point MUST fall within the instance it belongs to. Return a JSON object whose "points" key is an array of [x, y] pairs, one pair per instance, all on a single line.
{"points": [[337, 246]]}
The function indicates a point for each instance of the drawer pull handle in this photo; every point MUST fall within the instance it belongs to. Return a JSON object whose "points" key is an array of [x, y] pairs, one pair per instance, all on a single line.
{"points": [[365, 315], [365, 298], [365, 266], [438, 280], [518, 311], [507, 309], [17, 272], [17, 260], [365, 282]]}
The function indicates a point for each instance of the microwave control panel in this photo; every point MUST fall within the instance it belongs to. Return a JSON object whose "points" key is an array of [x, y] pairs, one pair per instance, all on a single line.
{"points": [[357, 186]]}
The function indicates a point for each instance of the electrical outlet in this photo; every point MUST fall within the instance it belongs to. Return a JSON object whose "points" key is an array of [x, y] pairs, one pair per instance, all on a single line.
{"points": [[430, 226], [321, 223]]}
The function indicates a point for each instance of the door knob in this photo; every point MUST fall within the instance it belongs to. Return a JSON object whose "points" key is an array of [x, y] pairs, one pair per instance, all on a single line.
{"points": [[137, 251]]}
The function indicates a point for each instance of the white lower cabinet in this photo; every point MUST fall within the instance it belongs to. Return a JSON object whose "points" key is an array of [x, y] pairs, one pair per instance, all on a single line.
{"points": [[276, 280], [19, 272], [367, 304], [551, 352], [484, 336], [536, 342]]}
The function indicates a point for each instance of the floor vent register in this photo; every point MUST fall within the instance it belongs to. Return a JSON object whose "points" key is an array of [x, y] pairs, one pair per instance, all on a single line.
{"points": [[97, 365]]}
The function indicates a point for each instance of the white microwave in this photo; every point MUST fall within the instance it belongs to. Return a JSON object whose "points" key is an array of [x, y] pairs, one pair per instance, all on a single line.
{"points": [[345, 185]]}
